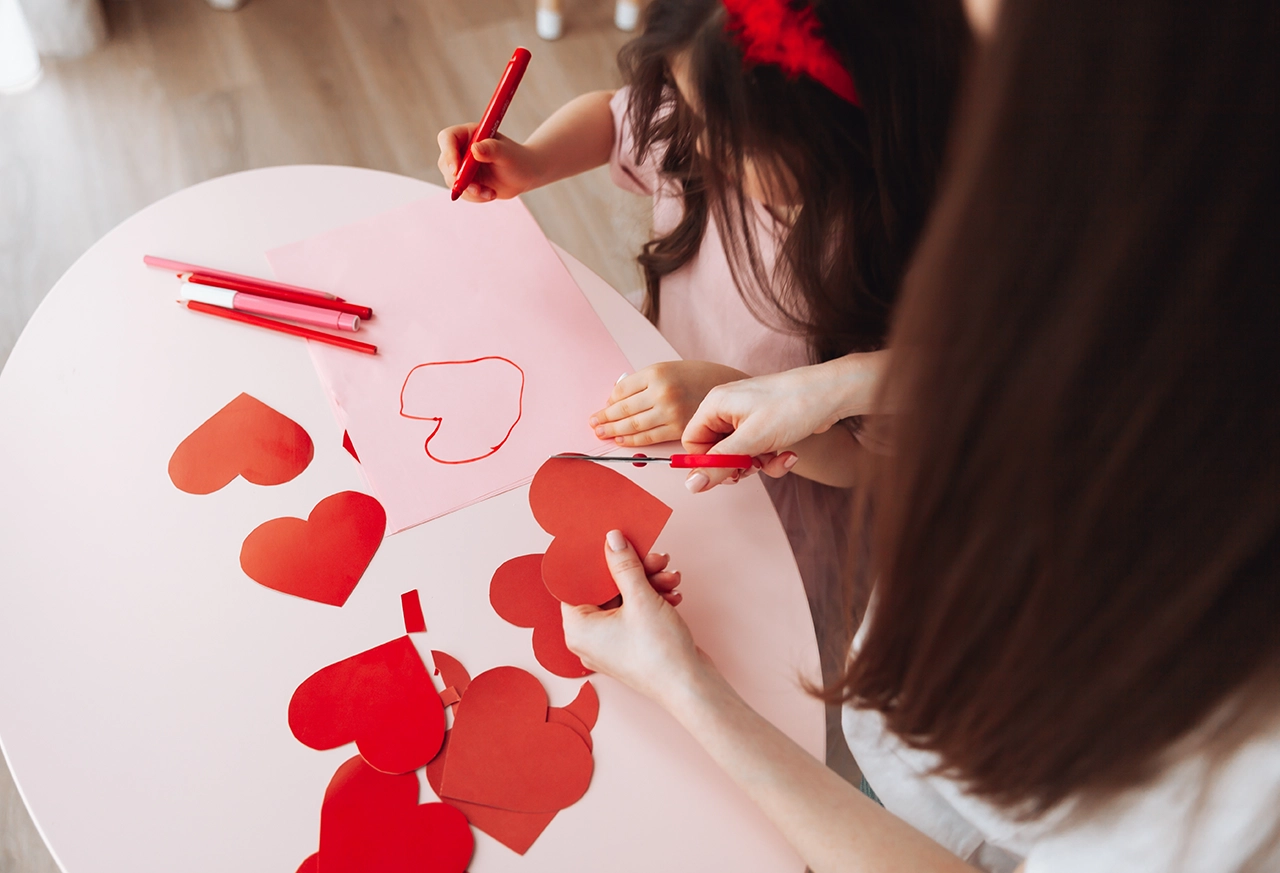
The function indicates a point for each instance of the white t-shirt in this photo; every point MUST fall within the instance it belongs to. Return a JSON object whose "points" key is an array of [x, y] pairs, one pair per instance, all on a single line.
{"points": [[1170, 826]]}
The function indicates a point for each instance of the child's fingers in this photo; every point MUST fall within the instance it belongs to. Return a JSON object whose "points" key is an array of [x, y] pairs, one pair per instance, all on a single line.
{"points": [[624, 408], [632, 424], [662, 434], [628, 385], [477, 193]]}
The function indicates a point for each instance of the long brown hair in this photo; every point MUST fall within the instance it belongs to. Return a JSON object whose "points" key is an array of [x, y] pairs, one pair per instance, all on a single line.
{"points": [[862, 178], [1077, 543]]}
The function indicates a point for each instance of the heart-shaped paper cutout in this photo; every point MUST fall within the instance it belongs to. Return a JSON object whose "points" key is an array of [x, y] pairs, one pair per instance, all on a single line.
{"points": [[515, 830], [519, 596], [244, 438], [372, 822], [505, 753], [321, 558], [578, 502], [382, 699], [475, 405]]}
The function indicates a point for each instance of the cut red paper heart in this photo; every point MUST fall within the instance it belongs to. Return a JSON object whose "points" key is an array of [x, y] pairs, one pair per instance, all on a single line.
{"points": [[319, 559], [505, 753], [578, 502], [382, 699], [372, 822], [515, 830], [475, 405], [518, 595], [244, 438], [586, 706], [451, 671], [559, 715]]}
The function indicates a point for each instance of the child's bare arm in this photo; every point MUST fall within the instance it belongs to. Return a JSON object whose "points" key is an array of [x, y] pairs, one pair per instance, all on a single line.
{"points": [[577, 137]]}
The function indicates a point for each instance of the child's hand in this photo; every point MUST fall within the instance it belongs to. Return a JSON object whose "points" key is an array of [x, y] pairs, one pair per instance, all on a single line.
{"points": [[654, 405], [506, 169]]}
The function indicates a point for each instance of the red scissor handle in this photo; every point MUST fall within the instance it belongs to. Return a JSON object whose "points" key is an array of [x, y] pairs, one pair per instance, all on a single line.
{"points": [[732, 462]]}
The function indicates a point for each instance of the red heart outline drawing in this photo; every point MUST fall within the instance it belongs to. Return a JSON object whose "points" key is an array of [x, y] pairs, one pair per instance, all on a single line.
{"points": [[518, 596], [322, 558], [382, 699], [504, 752], [440, 419], [244, 438], [372, 822], [578, 502]]}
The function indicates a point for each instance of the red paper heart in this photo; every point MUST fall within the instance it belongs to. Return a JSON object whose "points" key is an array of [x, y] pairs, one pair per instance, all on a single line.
{"points": [[506, 754], [382, 699], [321, 558], [515, 830], [372, 823], [244, 438], [475, 405], [578, 502], [519, 596]]}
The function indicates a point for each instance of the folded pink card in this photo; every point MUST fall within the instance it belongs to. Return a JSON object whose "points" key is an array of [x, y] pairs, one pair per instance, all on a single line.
{"points": [[490, 357]]}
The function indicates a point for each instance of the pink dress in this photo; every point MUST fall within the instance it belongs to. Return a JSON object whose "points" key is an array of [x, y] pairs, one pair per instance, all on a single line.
{"points": [[705, 319]]}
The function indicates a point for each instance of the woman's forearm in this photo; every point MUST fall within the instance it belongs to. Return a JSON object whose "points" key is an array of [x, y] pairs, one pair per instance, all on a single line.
{"points": [[577, 137], [832, 825]]}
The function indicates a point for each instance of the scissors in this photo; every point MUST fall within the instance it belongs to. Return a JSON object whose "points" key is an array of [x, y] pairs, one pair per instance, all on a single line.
{"points": [[731, 462]]}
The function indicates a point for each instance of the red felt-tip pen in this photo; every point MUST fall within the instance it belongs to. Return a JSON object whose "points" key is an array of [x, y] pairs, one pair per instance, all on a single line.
{"points": [[492, 117]]}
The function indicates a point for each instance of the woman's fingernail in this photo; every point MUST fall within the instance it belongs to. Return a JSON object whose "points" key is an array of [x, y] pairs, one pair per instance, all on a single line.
{"points": [[697, 482], [617, 542], [790, 460], [620, 378]]}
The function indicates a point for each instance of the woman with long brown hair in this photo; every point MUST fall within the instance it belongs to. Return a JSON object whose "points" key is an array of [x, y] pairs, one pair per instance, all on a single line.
{"points": [[1071, 659]]}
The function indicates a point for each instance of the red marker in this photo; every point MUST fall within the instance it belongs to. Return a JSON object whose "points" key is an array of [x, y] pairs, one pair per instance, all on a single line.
{"points": [[492, 117], [281, 327]]}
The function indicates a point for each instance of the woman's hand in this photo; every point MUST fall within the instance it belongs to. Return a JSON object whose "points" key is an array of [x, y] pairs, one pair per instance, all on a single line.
{"points": [[654, 405], [643, 643], [506, 168], [764, 416]]}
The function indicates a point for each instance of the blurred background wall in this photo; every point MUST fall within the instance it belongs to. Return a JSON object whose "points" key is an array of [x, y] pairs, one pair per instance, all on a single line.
{"points": [[140, 98]]}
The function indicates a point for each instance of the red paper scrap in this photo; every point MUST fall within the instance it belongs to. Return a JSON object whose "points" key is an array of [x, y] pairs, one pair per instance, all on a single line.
{"points": [[382, 699], [245, 438], [586, 706], [578, 502], [451, 671], [322, 558], [515, 830], [559, 715], [449, 696], [411, 606], [311, 865], [506, 754], [518, 596], [349, 446], [372, 822]]}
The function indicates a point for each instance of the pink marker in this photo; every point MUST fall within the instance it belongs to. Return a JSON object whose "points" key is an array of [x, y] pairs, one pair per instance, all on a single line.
{"points": [[225, 298]]}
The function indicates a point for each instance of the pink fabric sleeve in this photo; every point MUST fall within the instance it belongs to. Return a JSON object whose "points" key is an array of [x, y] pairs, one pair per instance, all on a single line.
{"points": [[626, 172]]}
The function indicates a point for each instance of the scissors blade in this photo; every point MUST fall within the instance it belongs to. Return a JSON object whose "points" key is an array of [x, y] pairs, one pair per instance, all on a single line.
{"points": [[613, 459]]}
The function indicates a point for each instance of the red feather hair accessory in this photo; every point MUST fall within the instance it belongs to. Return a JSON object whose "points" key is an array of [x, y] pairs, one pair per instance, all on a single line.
{"points": [[773, 32]]}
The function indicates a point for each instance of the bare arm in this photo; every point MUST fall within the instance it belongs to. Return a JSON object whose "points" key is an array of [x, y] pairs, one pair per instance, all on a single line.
{"points": [[577, 137], [830, 457], [645, 644]]}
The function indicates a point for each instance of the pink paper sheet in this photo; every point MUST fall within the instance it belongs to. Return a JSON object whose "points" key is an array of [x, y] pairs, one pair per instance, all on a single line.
{"points": [[461, 285]]}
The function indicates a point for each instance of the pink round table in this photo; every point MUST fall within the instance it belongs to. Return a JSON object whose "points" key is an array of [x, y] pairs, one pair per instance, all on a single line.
{"points": [[144, 679]]}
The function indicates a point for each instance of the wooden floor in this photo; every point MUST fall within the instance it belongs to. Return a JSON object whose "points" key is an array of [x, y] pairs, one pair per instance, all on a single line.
{"points": [[183, 93]]}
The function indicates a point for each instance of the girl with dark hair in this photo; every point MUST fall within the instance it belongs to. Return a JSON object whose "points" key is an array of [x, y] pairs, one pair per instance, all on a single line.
{"points": [[1071, 659], [791, 149]]}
